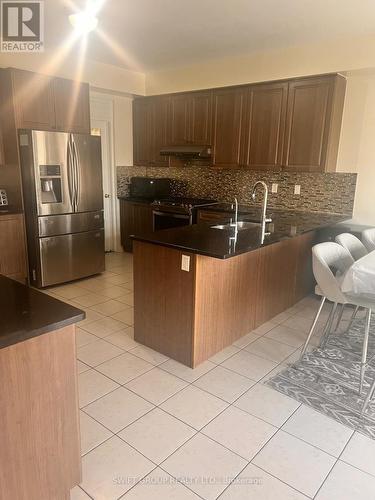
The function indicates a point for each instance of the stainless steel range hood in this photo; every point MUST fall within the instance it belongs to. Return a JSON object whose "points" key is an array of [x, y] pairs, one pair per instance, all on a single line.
{"points": [[187, 151]]}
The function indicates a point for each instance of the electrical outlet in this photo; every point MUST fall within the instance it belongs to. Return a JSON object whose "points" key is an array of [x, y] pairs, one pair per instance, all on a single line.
{"points": [[274, 188], [297, 189], [185, 263]]}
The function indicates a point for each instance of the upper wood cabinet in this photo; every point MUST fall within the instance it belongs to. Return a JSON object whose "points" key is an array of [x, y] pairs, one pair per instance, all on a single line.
{"points": [[33, 99], [150, 130], [189, 119], [2, 152], [313, 124], [228, 114], [291, 124], [72, 106], [264, 126], [45, 103]]}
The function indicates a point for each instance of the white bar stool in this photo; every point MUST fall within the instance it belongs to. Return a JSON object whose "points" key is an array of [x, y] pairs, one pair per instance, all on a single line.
{"points": [[330, 263], [368, 238], [357, 250]]}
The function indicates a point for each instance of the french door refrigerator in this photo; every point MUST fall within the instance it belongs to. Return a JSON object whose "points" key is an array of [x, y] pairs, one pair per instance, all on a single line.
{"points": [[63, 197]]}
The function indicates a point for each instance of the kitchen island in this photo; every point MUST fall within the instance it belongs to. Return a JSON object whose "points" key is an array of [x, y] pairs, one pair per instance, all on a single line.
{"points": [[199, 288], [39, 433]]}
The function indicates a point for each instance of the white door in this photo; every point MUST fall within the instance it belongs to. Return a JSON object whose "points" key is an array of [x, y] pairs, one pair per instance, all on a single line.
{"points": [[102, 128]]}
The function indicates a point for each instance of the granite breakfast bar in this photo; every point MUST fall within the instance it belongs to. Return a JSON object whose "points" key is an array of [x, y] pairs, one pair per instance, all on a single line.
{"points": [[39, 414], [199, 288]]}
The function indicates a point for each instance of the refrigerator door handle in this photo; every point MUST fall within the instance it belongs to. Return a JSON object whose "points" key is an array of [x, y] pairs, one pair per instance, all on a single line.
{"points": [[70, 161], [76, 175]]}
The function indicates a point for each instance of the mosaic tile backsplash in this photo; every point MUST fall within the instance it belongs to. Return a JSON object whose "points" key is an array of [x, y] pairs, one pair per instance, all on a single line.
{"points": [[326, 192]]}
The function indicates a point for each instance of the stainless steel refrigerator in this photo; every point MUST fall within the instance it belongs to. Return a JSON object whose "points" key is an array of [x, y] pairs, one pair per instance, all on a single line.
{"points": [[63, 197]]}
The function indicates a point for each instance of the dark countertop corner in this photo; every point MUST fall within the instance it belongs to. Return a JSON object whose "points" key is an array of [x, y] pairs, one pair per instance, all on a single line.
{"points": [[26, 313]]}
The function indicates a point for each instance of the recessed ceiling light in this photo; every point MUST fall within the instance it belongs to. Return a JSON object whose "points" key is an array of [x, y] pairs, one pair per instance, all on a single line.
{"points": [[83, 22]]}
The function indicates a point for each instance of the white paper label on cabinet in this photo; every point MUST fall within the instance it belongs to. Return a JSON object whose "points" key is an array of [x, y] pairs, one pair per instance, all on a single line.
{"points": [[185, 263]]}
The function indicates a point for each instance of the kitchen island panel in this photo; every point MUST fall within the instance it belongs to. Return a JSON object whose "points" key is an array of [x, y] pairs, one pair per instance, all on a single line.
{"points": [[39, 434], [192, 315], [164, 298]]}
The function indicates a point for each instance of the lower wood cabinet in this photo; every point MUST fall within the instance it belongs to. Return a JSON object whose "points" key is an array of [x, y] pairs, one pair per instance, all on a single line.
{"points": [[12, 247], [210, 216], [134, 218]]}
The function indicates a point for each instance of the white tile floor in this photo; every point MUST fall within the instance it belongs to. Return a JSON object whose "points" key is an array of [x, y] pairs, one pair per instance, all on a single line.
{"points": [[153, 429]]}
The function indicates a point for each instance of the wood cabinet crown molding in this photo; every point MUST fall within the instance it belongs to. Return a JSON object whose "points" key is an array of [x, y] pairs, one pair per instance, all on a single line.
{"points": [[290, 124]]}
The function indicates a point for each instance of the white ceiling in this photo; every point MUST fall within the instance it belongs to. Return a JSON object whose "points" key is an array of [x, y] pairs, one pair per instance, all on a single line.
{"points": [[156, 34]]}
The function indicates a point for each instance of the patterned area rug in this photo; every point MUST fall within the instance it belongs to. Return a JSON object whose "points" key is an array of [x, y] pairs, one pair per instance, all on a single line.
{"points": [[327, 380]]}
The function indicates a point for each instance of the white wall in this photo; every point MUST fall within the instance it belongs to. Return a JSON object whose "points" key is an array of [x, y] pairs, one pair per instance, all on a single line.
{"points": [[357, 144], [99, 75], [337, 56], [117, 110]]}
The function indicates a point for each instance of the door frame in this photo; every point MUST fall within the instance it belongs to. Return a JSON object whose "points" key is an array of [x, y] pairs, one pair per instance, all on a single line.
{"points": [[101, 109]]}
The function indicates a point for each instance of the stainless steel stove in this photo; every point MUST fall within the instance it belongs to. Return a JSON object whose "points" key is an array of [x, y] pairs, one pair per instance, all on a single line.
{"points": [[174, 212]]}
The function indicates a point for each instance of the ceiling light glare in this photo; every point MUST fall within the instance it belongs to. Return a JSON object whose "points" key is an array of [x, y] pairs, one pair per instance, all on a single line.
{"points": [[83, 22]]}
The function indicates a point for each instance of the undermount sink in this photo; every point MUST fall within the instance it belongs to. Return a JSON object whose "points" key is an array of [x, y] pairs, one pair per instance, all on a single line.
{"points": [[240, 225]]}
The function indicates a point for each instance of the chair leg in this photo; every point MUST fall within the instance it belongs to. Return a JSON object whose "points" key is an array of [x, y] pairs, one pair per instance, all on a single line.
{"points": [[342, 307], [354, 315], [328, 328], [364, 351], [312, 327], [368, 399]]}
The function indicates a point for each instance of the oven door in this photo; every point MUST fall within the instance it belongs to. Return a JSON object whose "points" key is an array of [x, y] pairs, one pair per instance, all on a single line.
{"points": [[168, 220]]}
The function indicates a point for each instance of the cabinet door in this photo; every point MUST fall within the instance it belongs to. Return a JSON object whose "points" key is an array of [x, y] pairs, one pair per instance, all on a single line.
{"points": [[2, 152], [34, 103], [143, 132], [265, 125], [178, 123], [159, 133], [143, 222], [134, 218], [72, 105], [126, 224], [214, 217], [12, 247], [200, 119], [307, 128], [227, 124]]}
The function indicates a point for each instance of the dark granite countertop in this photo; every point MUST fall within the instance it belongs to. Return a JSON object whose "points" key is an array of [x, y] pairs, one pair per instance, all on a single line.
{"points": [[202, 239], [26, 313]]}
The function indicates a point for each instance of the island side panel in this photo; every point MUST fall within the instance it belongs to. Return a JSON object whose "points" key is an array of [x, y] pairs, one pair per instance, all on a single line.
{"points": [[225, 302], [39, 415], [164, 300], [235, 296], [276, 279]]}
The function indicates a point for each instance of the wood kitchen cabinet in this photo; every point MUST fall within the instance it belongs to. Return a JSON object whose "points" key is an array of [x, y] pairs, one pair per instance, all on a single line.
{"points": [[150, 130], [134, 218], [33, 100], [190, 119], [214, 217], [2, 152], [12, 247], [313, 123], [228, 114], [289, 124], [42, 102], [264, 126], [72, 106]]}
